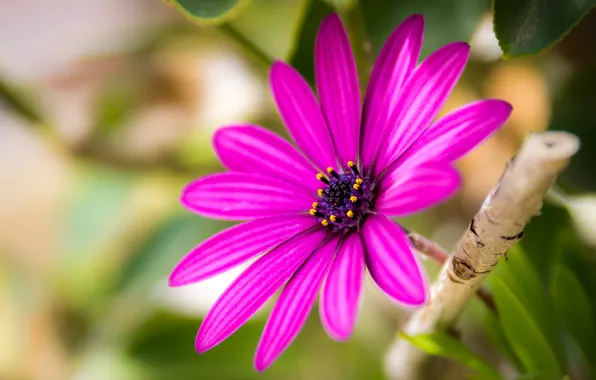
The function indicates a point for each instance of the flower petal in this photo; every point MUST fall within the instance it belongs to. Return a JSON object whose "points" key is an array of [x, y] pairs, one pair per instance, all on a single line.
{"points": [[235, 245], [302, 115], [337, 87], [409, 190], [397, 60], [420, 101], [242, 196], [458, 132], [253, 288], [293, 306], [342, 292], [253, 149], [391, 262]]}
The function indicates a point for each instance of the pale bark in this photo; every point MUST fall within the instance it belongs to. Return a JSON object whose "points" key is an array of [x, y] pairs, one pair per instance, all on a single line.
{"points": [[497, 226]]}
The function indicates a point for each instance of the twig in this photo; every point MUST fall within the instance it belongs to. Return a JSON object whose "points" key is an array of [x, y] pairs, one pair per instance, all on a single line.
{"points": [[497, 226], [433, 251]]}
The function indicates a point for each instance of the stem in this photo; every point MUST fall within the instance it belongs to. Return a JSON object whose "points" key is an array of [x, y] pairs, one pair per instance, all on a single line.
{"points": [[258, 53], [497, 226], [432, 250]]}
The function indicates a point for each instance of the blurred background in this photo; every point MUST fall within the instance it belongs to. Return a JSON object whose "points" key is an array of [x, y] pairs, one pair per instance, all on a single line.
{"points": [[107, 108]]}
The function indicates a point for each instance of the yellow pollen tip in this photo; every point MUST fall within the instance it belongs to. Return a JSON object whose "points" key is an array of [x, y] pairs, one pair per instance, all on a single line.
{"points": [[320, 192], [353, 198], [356, 186], [315, 204], [330, 170], [359, 181], [351, 163], [324, 222], [313, 212], [350, 214], [333, 218], [320, 176]]}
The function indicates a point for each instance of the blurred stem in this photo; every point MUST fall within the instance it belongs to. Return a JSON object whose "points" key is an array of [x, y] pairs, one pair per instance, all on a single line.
{"points": [[258, 53], [361, 45], [433, 251]]}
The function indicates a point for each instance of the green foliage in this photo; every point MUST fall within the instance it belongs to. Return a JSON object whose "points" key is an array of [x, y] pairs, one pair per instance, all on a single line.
{"points": [[209, 11], [445, 345], [157, 255], [524, 334], [531, 26], [574, 309], [304, 55], [445, 20]]}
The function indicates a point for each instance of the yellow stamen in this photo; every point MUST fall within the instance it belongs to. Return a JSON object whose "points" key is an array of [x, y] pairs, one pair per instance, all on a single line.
{"points": [[359, 181], [350, 214], [330, 170], [324, 222], [351, 164], [356, 186], [320, 192], [315, 204], [333, 218], [313, 212], [353, 198], [320, 176]]}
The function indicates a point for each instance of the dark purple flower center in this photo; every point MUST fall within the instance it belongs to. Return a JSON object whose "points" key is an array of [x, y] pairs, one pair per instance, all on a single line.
{"points": [[345, 200]]}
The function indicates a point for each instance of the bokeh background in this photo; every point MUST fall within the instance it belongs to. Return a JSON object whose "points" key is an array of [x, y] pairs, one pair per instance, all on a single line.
{"points": [[107, 108]]}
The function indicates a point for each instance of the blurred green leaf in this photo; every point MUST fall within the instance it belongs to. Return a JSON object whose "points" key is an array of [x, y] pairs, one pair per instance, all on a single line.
{"points": [[341, 5], [524, 335], [530, 26], [92, 221], [521, 277], [209, 11], [445, 21], [19, 102], [303, 59], [572, 110], [574, 309], [156, 257], [116, 103], [445, 345]]}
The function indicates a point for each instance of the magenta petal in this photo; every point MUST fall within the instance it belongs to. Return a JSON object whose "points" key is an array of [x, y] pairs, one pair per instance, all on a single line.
{"points": [[342, 292], [420, 101], [337, 87], [458, 132], [253, 288], [409, 190], [391, 262], [243, 196], [397, 60], [302, 115], [293, 306], [236, 245], [253, 149]]}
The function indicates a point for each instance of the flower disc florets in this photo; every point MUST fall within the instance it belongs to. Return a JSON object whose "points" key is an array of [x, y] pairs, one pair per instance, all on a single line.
{"points": [[345, 200]]}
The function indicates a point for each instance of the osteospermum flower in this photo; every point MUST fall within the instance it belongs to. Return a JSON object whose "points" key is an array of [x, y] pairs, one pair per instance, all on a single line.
{"points": [[320, 215]]}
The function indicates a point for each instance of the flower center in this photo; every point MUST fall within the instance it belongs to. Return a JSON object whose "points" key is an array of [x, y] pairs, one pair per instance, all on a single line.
{"points": [[345, 200]]}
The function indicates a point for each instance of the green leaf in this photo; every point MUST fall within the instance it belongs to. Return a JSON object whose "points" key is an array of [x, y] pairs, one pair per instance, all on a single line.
{"points": [[521, 277], [210, 11], [304, 55], [445, 345], [524, 335], [19, 102], [445, 21], [574, 309], [156, 257], [530, 26]]}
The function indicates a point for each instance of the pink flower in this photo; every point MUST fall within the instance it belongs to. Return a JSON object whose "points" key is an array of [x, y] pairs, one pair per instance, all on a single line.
{"points": [[320, 231]]}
